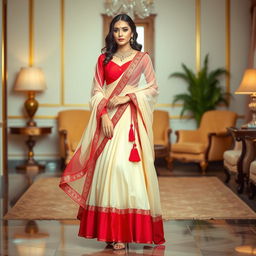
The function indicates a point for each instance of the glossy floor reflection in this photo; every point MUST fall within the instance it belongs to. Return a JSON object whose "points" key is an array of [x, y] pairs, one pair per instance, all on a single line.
{"points": [[183, 238]]}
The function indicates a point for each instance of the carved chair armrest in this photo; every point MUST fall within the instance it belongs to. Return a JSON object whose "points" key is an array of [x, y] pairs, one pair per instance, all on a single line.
{"points": [[169, 131], [212, 139], [216, 134], [219, 134], [188, 135], [229, 130], [64, 134]]}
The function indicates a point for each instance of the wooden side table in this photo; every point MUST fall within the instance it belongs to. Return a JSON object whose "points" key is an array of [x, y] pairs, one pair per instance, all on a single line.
{"points": [[31, 164], [248, 138], [163, 152]]}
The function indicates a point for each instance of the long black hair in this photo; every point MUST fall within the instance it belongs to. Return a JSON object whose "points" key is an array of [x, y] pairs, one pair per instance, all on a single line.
{"points": [[110, 43]]}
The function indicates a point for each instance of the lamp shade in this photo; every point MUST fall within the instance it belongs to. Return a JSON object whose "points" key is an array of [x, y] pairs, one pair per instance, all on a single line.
{"points": [[248, 84], [30, 79]]}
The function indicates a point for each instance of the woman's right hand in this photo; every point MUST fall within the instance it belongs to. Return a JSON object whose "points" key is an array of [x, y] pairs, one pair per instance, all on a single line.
{"points": [[107, 126]]}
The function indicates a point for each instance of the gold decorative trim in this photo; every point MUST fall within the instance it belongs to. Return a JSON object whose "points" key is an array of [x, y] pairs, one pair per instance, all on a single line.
{"points": [[180, 117], [190, 117], [228, 45], [62, 53], [169, 105], [4, 115], [198, 35], [64, 105], [4, 86], [76, 105], [87, 105], [55, 117], [49, 105], [36, 155], [31, 33], [36, 117]]}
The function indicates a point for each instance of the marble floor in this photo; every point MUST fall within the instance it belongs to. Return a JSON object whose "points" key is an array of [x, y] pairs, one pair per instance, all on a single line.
{"points": [[183, 237]]}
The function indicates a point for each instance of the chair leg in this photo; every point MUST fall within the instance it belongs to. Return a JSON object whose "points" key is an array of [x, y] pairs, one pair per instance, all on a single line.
{"points": [[227, 175], [203, 166], [252, 190], [169, 163], [62, 163]]}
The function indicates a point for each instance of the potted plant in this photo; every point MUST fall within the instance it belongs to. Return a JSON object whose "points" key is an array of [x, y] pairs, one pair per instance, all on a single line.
{"points": [[204, 90]]}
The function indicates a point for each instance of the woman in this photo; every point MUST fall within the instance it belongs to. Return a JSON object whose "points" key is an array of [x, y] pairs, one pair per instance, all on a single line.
{"points": [[119, 202]]}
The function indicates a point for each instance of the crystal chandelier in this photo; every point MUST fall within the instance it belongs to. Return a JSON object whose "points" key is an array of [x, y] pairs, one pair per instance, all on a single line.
{"points": [[141, 8]]}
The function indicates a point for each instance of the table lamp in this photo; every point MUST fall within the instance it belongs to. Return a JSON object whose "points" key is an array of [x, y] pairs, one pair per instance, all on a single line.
{"points": [[248, 86], [31, 80]]}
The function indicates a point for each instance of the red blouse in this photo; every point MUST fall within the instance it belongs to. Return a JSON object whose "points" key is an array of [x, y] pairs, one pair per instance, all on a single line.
{"points": [[110, 72]]}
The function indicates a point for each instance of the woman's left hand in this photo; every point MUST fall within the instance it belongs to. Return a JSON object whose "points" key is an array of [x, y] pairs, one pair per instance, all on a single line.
{"points": [[117, 100]]}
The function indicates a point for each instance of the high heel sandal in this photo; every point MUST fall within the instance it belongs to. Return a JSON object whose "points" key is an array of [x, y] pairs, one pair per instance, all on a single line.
{"points": [[125, 246]]}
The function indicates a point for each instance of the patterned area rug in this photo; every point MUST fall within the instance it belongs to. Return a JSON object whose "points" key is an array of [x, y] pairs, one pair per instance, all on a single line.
{"points": [[181, 198]]}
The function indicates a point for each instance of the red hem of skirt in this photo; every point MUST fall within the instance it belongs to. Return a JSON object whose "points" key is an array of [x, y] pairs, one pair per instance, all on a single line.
{"points": [[119, 241], [120, 227]]}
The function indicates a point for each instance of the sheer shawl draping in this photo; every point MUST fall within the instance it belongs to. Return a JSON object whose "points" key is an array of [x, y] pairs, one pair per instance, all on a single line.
{"points": [[139, 83]]}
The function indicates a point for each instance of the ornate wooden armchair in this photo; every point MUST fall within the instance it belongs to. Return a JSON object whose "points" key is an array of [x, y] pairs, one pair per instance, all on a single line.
{"points": [[161, 131], [208, 142], [71, 124]]}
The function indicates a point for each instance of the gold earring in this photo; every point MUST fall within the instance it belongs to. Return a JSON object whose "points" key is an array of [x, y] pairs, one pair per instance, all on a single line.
{"points": [[131, 40]]}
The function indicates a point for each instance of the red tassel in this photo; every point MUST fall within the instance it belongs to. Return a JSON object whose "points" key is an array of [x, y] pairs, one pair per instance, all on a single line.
{"points": [[134, 155], [131, 134]]}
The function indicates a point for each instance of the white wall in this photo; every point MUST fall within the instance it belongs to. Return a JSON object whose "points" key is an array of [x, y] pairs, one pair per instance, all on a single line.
{"points": [[239, 50], [175, 42], [175, 39]]}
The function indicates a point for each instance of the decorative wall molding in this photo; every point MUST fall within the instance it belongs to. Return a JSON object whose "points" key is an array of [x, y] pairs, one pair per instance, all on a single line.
{"points": [[62, 14], [228, 46], [198, 35]]}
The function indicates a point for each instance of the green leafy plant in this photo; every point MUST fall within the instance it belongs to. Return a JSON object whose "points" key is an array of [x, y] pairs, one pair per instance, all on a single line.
{"points": [[204, 90]]}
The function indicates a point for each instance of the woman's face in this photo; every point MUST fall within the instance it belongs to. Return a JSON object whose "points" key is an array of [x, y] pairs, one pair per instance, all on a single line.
{"points": [[122, 33]]}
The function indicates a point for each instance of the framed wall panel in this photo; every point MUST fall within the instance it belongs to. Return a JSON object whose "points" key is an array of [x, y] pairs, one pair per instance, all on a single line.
{"points": [[83, 43], [213, 32], [47, 50], [175, 42], [18, 51], [240, 39]]}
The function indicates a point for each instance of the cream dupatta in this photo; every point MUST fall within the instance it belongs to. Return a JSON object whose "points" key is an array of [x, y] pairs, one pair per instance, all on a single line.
{"points": [[139, 83]]}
